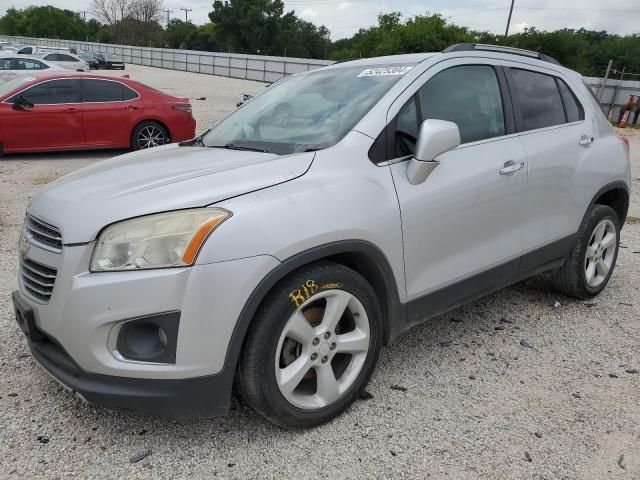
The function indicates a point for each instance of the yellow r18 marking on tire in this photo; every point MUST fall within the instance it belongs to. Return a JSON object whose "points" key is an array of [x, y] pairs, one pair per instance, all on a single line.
{"points": [[301, 295]]}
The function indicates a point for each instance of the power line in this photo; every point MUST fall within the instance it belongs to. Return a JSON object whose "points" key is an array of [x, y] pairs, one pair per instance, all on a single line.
{"points": [[168, 12]]}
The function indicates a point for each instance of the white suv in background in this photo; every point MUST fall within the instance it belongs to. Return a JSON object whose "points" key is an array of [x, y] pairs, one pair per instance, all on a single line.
{"points": [[65, 60], [285, 246]]}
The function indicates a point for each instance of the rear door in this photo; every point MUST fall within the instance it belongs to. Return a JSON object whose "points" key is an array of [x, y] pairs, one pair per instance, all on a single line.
{"points": [[55, 121], [111, 110], [556, 138]]}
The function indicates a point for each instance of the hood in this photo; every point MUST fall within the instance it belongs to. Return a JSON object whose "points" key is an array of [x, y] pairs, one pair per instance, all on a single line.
{"points": [[164, 178]]}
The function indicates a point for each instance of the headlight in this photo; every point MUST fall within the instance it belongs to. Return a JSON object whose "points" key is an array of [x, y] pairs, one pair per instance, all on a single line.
{"points": [[156, 241]]}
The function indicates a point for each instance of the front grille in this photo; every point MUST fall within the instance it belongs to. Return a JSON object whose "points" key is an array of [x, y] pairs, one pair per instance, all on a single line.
{"points": [[44, 234], [38, 279]]}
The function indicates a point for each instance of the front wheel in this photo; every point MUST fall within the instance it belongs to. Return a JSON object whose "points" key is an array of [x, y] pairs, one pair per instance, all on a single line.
{"points": [[147, 135], [312, 346], [592, 260]]}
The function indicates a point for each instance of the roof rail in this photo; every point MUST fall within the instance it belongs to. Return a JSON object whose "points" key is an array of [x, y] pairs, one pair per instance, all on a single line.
{"points": [[469, 47]]}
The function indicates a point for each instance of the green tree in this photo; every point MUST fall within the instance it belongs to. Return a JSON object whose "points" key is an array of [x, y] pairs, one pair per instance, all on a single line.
{"points": [[177, 32], [204, 38]]}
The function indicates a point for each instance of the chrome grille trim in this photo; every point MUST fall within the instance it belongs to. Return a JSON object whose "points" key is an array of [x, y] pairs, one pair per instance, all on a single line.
{"points": [[43, 234], [37, 279]]}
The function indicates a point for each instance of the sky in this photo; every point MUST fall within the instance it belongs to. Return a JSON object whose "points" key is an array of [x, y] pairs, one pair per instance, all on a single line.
{"points": [[345, 17]]}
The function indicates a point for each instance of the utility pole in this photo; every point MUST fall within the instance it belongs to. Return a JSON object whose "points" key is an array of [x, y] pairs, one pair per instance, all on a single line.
{"points": [[168, 12], [186, 13], [506, 32], [604, 82], [84, 14]]}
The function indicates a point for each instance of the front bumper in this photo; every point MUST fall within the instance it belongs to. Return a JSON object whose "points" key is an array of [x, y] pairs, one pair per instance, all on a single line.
{"points": [[76, 328], [206, 396]]}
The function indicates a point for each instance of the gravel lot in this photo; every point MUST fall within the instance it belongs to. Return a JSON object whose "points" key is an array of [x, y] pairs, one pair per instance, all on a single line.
{"points": [[459, 397]]}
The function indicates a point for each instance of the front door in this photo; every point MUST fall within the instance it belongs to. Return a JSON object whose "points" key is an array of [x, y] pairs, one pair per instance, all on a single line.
{"points": [[463, 226], [55, 121]]}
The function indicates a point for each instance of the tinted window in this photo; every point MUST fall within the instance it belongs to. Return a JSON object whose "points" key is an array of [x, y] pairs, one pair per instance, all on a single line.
{"points": [[52, 57], [105, 91], [571, 105], [539, 99], [30, 65], [27, 50], [6, 64], [66, 58], [406, 130], [468, 96], [53, 92]]}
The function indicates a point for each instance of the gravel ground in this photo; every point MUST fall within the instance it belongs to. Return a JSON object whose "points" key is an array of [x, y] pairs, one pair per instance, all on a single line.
{"points": [[510, 386]]}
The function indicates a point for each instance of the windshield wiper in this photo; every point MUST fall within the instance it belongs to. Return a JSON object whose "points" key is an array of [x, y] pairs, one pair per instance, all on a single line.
{"points": [[232, 146]]}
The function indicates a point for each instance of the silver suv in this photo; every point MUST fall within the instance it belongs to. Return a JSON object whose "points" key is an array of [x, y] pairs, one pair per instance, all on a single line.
{"points": [[280, 250]]}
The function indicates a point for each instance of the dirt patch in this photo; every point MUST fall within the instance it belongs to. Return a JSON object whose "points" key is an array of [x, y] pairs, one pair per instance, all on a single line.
{"points": [[633, 220]]}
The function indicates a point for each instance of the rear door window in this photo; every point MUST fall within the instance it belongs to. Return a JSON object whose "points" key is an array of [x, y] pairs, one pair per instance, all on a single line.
{"points": [[572, 106], [24, 64], [538, 98], [94, 90], [52, 92], [66, 58]]}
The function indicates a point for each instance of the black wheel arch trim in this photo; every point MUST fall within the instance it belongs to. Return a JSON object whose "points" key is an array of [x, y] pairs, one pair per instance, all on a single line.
{"points": [[615, 185], [395, 313]]}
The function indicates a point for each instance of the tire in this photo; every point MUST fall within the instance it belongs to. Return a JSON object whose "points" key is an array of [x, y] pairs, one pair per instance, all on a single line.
{"points": [[583, 274], [269, 347], [148, 134]]}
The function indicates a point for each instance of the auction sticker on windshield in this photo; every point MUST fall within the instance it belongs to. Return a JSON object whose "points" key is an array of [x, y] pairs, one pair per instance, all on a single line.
{"points": [[382, 71]]}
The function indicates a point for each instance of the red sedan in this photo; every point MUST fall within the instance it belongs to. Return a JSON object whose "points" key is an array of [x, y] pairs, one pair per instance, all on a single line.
{"points": [[75, 111]]}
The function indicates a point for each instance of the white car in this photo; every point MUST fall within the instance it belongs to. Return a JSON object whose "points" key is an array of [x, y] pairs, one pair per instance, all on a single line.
{"points": [[65, 60], [12, 65]]}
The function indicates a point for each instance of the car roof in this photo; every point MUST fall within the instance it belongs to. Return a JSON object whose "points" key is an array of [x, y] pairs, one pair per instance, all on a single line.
{"points": [[407, 58], [41, 75]]}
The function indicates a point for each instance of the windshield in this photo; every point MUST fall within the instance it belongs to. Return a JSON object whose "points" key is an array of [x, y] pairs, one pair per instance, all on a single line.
{"points": [[14, 83], [306, 112]]}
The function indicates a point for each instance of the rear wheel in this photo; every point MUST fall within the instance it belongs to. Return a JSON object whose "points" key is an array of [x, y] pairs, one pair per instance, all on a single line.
{"points": [[592, 260], [312, 347], [147, 135]]}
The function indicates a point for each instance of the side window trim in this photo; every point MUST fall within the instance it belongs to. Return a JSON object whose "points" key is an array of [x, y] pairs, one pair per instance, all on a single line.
{"points": [[564, 105], [581, 112]]}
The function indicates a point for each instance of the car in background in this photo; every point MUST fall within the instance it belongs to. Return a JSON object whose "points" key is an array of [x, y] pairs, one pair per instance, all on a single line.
{"points": [[76, 111], [111, 61], [12, 65], [92, 59], [65, 60], [33, 49]]}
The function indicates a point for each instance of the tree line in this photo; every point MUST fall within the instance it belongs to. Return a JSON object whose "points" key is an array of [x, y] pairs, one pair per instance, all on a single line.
{"points": [[264, 27]]}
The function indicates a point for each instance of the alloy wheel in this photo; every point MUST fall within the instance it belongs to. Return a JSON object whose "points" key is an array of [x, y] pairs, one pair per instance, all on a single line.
{"points": [[322, 349], [601, 251], [150, 136]]}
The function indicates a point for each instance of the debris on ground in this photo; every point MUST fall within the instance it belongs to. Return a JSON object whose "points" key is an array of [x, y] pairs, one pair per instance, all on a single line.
{"points": [[400, 388], [140, 455]]}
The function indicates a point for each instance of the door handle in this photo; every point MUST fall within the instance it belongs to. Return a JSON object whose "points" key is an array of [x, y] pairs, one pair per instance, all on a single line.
{"points": [[585, 140], [511, 167], [130, 107], [72, 110]]}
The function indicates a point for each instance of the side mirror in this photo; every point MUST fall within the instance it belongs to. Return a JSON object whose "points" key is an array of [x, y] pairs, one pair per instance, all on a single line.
{"points": [[435, 138], [21, 103]]}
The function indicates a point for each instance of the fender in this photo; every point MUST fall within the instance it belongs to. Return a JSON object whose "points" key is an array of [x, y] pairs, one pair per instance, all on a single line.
{"points": [[395, 311], [618, 184]]}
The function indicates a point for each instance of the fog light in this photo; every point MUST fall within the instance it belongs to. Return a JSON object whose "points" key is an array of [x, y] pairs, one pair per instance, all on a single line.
{"points": [[150, 339]]}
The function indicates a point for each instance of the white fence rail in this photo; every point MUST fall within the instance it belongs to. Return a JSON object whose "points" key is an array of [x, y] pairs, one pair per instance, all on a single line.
{"points": [[249, 67]]}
